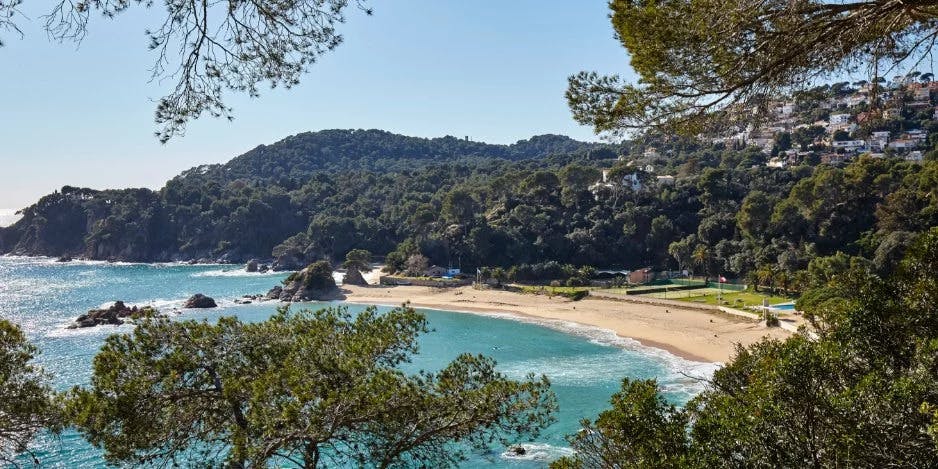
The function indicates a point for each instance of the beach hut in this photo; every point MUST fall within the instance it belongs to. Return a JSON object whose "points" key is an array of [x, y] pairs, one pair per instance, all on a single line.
{"points": [[436, 271]]}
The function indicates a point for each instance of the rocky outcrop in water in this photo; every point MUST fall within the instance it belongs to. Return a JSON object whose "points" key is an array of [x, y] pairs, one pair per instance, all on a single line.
{"points": [[313, 283], [200, 301], [517, 450], [252, 266], [274, 293], [248, 299], [113, 315]]}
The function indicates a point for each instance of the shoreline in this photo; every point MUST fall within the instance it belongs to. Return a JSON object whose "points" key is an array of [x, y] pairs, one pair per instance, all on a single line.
{"points": [[531, 319], [688, 333]]}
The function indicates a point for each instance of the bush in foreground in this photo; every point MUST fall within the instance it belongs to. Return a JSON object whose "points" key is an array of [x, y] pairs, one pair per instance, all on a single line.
{"points": [[861, 394], [306, 388]]}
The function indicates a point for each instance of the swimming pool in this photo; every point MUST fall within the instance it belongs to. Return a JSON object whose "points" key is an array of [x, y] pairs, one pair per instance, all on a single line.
{"points": [[784, 306]]}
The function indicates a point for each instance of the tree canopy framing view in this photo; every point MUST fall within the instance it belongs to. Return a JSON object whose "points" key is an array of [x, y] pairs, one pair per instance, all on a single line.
{"points": [[209, 47], [701, 63]]}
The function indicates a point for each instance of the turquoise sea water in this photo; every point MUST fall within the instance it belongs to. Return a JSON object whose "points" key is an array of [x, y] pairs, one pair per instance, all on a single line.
{"points": [[585, 365]]}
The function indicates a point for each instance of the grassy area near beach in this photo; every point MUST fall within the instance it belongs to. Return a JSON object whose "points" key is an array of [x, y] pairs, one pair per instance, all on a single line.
{"points": [[732, 299], [542, 289], [704, 295]]}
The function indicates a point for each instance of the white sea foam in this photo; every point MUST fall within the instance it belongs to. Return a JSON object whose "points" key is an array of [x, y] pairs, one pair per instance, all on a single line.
{"points": [[234, 272], [161, 304], [538, 452], [683, 375], [62, 330], [45, 260]]}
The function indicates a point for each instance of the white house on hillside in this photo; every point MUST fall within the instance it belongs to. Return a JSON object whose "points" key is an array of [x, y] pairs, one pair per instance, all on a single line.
{"points": [[632, 181], [902, 144], [666, 180], [849, 145], [856, 100], [836, 119]]}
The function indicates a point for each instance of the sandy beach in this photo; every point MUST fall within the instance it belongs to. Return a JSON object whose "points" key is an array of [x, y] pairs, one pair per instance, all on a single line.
{"points": [[689, 333]]}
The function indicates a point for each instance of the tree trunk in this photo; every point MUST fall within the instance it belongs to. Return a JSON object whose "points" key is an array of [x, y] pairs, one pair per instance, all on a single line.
{"points": [[311, 456]]}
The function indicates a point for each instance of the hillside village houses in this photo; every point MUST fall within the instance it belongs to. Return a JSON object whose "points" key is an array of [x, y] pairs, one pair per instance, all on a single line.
{"points": [[635, 181], [837, 120], [842, 138]]}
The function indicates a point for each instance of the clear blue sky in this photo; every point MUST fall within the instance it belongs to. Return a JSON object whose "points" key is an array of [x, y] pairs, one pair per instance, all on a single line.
{"points": [[493, 70]]}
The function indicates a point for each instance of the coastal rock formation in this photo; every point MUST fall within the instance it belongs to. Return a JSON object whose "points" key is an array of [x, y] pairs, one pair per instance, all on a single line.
{"points": [[200, 301], [65, 258], [248, 299], [517, 450], [274, 293], [313, 283], [354, 277], [252, 266], [289, 261], [112, 315]]}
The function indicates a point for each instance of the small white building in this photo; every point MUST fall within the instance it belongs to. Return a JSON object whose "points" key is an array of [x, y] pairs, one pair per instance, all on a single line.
{"points": [[786, 109], [914, 156], [917, 135], [879, 140], [892, 113], [836, 119], [902, 144], [666, 180], [849, 145], [856, 100], [777, 163], [632, 181]]}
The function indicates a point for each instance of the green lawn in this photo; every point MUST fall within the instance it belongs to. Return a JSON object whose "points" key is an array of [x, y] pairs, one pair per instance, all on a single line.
{"points": [[734, 299], [680, 294], [636, 290], [706, 295], [551, 290]]}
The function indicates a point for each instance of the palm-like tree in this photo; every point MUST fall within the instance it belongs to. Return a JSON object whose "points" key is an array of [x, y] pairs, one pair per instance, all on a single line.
{"points": [[701, 257], [783, 280], [765, 274]]}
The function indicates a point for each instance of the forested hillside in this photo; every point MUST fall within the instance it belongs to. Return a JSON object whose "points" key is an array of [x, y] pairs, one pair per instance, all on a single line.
{"points": [[300, 155], [708, 207], [322, 181]]}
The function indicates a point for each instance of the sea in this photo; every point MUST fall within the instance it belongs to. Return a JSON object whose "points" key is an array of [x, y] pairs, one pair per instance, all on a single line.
{"points": [[585, 365]]}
